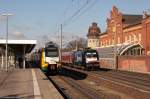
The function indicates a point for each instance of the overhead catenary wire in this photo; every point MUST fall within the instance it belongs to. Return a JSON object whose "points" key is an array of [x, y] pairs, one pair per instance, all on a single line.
{"points": [[80, 11], [85, 10], [57, 25], [69, 19], [76, 13]]}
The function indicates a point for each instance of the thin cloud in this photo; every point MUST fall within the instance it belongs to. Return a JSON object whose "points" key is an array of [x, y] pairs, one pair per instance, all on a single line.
{"points": [[22, 28], [17, 35]]}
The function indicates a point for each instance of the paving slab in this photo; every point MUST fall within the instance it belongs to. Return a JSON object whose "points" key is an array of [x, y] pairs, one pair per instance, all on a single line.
{"points": [[26, 84]]}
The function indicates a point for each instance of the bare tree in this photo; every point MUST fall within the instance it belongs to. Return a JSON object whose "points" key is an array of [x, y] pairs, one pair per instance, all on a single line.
{"points": [[79, 43]]}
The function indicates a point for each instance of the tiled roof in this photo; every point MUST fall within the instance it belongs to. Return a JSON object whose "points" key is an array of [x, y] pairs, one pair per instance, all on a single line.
{"points": [[132, 20], [129, 19]]}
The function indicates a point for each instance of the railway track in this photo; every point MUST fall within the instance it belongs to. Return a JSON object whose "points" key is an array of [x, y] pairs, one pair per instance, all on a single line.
{"points": [[121, 81], [71, 85], [77, 86], [139, 81], [60, 89]]}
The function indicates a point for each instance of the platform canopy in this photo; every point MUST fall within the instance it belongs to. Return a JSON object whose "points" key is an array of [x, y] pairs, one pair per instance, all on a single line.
{"points": [[19, 46]]}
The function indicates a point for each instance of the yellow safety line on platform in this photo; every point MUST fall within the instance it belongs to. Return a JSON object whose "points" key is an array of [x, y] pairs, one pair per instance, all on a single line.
{"points": [[37, 94]]}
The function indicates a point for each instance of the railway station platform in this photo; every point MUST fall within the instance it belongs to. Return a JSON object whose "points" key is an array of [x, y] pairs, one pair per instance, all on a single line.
{"points": [[26, 84]]}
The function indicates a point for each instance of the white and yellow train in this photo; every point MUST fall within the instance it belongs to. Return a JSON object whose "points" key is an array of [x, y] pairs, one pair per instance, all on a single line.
{"points": [[47, 58]]}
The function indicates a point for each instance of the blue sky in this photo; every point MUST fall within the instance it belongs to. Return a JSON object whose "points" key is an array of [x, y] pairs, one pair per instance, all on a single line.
{"points": [[41, 19]]}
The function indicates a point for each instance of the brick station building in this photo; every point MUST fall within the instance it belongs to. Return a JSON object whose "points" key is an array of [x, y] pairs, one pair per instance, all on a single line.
{"points": [[127, 29], [125, 45]]}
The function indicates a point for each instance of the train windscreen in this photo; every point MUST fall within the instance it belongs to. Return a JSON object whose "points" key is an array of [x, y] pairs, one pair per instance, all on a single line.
{"points": [[91, 54], [51, 52]]}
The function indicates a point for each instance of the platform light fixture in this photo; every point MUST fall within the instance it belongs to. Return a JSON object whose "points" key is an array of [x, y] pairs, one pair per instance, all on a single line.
{"points": [[6, 51]]}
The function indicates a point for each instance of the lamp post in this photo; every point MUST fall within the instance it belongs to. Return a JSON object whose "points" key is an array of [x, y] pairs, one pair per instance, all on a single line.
{"points": [[6, 51], [61, 44]]}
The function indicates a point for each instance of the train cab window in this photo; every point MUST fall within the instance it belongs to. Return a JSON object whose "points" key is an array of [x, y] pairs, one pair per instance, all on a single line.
{"points": [[51, 53], [94, 54]]}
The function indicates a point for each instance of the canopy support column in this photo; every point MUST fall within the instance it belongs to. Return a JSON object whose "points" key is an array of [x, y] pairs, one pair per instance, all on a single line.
{"points": [[2, 61], [24, 47]]}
